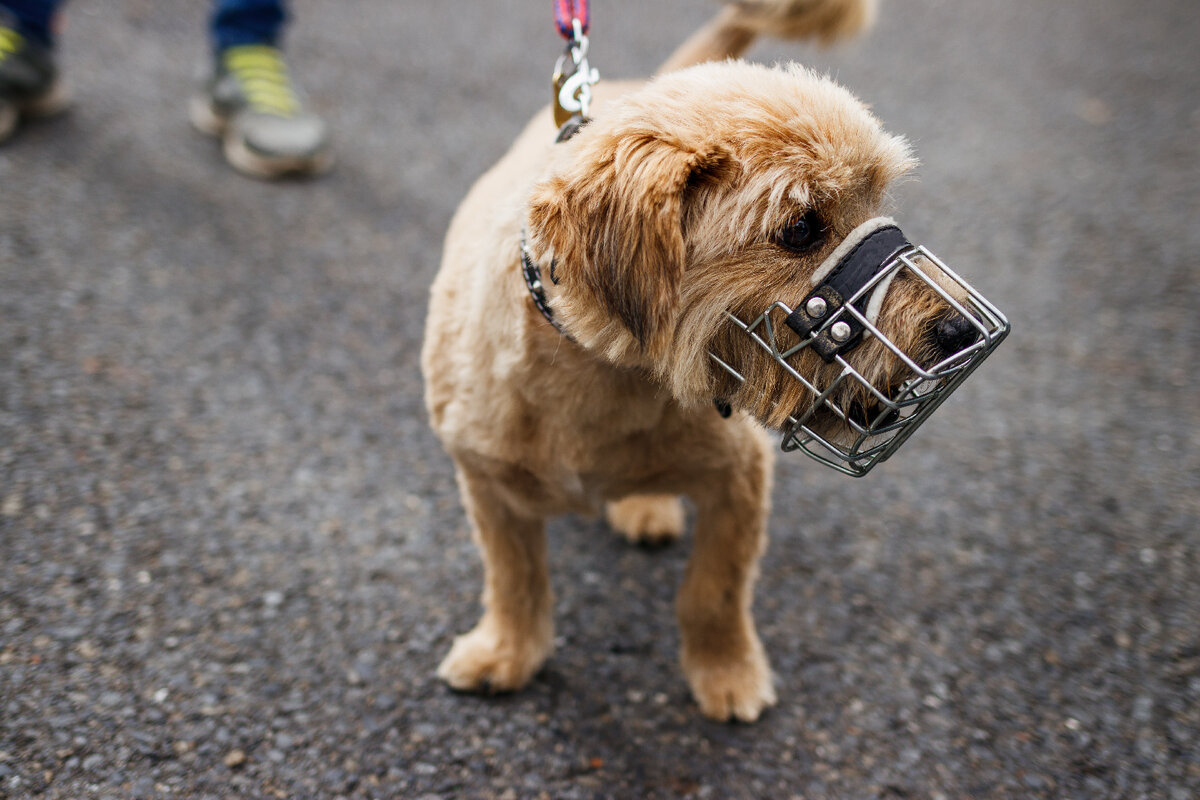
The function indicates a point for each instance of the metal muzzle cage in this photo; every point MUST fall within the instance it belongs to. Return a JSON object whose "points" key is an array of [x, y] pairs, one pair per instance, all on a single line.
{"points": [[901, 408]]}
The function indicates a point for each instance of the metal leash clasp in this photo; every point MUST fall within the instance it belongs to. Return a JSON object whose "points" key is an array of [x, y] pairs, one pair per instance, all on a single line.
{"points": [[573, 78]]}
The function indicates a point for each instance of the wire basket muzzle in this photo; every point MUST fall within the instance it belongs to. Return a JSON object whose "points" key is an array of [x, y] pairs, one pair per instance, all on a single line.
{"points": [[914, 390]]}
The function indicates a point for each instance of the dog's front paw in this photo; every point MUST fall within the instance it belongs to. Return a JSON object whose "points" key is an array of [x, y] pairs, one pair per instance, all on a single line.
{"points": [[738, 689], [482, 661], [653, 519]]}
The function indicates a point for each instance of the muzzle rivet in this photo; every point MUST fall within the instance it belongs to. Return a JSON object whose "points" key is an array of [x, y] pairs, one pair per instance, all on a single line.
{"points": [[816, 307], [840, 331]]}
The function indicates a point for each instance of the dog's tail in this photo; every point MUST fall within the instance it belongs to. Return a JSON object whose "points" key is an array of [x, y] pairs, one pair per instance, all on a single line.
{"points": [[735, 27]]}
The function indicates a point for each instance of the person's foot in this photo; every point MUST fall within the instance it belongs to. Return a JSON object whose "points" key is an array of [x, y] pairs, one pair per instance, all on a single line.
{"points": [[29, 81], [252, 105]]}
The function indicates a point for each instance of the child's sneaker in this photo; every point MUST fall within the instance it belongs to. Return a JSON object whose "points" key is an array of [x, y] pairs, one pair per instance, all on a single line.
{"points": [[252, 105]]}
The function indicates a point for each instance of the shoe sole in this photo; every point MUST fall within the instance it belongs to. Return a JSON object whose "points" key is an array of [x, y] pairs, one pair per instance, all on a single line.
{"points": [[54, 101], [245, 160]]}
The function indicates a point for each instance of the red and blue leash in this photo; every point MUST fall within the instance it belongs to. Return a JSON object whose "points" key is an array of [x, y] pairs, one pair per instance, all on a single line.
{"points": [[565, 14]]}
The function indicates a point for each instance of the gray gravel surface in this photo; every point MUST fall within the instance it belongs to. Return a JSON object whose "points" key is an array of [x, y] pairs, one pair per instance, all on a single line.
{"points": [[232, 553]]}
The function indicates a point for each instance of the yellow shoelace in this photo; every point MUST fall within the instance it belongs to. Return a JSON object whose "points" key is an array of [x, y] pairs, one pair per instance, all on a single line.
{"points": [[10, 42], [261, 71]]}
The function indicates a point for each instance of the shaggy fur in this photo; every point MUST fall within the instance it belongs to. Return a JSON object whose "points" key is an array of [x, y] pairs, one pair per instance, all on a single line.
{"points": [[661, 214]]}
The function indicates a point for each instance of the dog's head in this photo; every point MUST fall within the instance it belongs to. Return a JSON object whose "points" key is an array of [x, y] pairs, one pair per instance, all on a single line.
{"points": [[701, 208]]}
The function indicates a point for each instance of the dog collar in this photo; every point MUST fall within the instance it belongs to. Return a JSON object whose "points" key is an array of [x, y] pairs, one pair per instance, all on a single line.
{"points": [[844, 278], [532, 274]]}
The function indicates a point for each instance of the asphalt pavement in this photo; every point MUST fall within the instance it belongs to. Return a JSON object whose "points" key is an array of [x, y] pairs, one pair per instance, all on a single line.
{"points": [[232, 552]]}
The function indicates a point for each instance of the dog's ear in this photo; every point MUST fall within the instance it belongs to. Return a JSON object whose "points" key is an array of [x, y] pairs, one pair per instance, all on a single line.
{"points": [[614, 219]]}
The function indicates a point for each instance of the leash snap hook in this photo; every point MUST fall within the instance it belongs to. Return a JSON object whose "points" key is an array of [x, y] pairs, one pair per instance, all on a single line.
{"points": [[573, 78]]}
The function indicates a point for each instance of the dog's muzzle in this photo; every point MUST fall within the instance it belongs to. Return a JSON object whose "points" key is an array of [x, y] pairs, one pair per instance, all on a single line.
{"points": [[839, 313]]}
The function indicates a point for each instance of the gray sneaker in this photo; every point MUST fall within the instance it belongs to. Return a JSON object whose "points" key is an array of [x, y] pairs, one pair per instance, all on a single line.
{"points": [[29, 81], [252, 105]]}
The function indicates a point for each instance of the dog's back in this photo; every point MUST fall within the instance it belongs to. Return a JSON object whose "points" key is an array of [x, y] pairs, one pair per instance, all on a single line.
{"points": [[732, 31]]}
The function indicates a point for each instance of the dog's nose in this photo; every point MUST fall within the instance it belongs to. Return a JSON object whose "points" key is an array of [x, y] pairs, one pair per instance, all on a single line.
{"points": [[954, 333]]}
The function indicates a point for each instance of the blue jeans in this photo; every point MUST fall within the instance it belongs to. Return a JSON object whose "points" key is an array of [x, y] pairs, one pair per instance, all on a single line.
{"points": [[233, 21]]}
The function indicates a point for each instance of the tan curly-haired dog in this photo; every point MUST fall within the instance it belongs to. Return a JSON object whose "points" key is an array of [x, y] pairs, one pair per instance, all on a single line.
{"points": [[714, 186]]}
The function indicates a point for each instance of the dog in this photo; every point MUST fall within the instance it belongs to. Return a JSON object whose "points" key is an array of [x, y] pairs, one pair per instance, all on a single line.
{"points": [[684, 200]]}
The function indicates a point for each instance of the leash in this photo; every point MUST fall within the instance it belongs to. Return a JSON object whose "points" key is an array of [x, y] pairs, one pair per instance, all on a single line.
{"points": [[572, 88], [573, 77], [569, 12]]}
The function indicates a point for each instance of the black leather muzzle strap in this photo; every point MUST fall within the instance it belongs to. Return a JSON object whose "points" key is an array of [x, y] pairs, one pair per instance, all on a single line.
{"points": [[850, 275]]}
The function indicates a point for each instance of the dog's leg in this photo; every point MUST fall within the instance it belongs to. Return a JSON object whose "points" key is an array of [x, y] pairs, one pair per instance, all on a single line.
{"points": [[652, 519], [515, 635], [722, 657]]}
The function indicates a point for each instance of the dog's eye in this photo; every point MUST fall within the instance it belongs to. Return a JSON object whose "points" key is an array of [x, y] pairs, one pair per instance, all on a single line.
{"points": [[804, 234]]}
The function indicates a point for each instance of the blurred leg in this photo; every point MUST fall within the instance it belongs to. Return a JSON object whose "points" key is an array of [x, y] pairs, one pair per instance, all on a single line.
{"points": [[237, 22], [32, 18]]}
